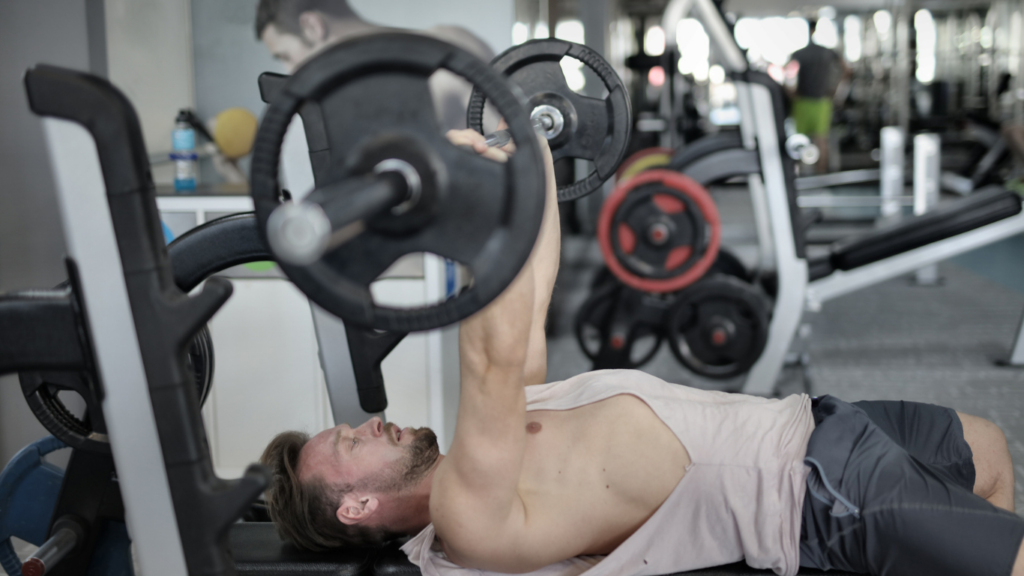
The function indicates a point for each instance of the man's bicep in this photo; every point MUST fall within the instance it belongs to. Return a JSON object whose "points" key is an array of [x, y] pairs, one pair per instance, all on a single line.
{"points": [[483, 465], [490, 433]]}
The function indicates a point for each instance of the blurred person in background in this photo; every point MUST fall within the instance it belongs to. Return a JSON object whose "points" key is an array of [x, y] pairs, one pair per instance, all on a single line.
{"points": [[819, 74], [296, 30]]}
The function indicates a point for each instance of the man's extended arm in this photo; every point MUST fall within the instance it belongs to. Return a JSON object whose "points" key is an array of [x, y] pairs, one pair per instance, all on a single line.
{"points": [[545, 259], [475, 488]]}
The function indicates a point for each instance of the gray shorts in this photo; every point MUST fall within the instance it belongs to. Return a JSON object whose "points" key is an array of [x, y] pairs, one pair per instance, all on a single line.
{"points": [[890, 492]]}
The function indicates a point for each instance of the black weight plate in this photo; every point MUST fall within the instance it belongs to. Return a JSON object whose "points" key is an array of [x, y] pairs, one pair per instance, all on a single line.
{"points": [[374, 95], [593, 129], [718, 327], [727, 263], [45, 393], [618, 327], [593, 317]]}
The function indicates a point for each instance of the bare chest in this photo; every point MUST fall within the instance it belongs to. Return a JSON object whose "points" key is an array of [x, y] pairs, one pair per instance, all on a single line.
{"points": [[606, 466]]}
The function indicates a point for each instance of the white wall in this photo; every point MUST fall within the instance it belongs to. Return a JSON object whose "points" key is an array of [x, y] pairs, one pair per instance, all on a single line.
{"points": [[228, 57], [31, 242], [491, 20], [149, 57]]}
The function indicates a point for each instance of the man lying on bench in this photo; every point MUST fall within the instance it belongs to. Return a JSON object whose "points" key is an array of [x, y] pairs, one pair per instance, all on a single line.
{"points": [[617, 472]]}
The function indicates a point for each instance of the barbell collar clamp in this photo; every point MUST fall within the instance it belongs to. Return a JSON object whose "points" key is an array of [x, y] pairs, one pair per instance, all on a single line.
{"points": [[550, 120], [413, 183]]}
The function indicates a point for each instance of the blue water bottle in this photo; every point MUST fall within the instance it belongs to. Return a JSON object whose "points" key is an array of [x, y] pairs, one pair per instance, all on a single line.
{"points": [[183, 153]]}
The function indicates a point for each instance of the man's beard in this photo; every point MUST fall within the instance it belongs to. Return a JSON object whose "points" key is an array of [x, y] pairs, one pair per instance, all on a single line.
{"points": [[421, 454]]}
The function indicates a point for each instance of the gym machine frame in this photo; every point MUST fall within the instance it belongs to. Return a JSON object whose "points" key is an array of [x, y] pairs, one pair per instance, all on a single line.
{"points": [[773, 194]]}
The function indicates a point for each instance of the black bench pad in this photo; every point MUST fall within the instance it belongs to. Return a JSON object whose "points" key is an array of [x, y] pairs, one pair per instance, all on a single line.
{"points": [[701, 148], [949, 219], [258, 551]]}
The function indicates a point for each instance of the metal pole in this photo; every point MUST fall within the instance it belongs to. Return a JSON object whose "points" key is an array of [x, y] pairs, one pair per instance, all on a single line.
{"points": [[892, 171], [1018, 84], [927, 174], [1017, 352], [900, 83]]}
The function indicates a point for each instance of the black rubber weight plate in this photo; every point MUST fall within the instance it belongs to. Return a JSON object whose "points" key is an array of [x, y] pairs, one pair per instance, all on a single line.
{"points": [[487, 217], [595, 129]]}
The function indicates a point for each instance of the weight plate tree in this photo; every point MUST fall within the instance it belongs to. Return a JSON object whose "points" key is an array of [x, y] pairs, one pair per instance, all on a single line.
{"points": [[398, 186], [718, 327], [659, 231], [575, 126], [645, 159]]}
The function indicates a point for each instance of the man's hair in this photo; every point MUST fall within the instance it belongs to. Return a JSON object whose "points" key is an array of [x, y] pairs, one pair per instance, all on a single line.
{"points": [[812, 24], [284, 14], [306, 512]]}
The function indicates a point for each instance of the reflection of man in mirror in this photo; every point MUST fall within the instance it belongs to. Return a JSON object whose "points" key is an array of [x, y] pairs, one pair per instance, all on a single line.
{"points": [[819, 74], [296, 30]]}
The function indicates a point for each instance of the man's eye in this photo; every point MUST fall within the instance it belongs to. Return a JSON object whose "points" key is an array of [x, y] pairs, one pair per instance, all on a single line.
{"points": [[354, 439]]}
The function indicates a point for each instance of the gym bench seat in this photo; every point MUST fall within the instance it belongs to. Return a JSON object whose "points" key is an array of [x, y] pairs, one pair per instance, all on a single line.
{"points": [[258, 551], [948, 220]]}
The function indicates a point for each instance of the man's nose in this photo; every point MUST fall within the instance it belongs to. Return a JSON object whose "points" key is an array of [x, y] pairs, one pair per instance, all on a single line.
{"points": [[374, 426]]}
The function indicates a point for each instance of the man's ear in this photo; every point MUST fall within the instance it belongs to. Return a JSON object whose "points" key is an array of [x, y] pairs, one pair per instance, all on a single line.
{"points": [[356, 508], [314, 28]]}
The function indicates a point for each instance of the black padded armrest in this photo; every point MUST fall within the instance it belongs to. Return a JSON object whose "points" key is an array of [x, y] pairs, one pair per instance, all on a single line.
{"points": [[947, 220]]}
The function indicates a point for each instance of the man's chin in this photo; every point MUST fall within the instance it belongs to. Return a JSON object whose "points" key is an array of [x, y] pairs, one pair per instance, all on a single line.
{"points": [[423, 452]]}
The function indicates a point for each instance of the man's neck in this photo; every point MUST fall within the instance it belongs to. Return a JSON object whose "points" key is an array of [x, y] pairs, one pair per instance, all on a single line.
{"points": [[411, 508], [342, 29]]}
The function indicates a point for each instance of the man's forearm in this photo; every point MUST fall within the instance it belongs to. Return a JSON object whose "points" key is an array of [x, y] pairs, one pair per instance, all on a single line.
{"points": [[547, 252], [545, 261]]}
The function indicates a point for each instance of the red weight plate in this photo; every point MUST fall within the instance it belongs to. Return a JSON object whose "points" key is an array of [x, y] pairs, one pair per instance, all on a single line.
{"points": [[697, 194]]}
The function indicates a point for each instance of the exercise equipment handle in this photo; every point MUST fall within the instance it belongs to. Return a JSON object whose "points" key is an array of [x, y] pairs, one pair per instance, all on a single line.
{"points": [[50, 553]]}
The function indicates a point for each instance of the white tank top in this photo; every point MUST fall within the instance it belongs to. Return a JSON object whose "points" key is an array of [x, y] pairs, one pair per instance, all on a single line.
{"points": [[740, 498]]}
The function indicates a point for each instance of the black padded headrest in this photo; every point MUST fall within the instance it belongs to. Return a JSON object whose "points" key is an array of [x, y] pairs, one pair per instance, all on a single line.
{"points": [[258, 551]]}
